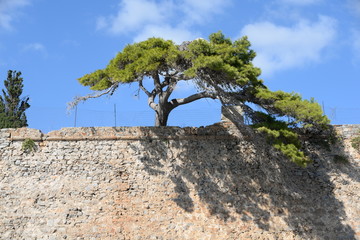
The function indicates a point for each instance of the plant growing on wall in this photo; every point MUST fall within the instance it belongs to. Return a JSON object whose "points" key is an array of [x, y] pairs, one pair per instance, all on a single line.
{"points": [[12, 106], [28, 145], [220, 69]]}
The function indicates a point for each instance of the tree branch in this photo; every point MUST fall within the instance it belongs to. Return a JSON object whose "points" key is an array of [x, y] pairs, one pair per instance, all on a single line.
{"points": [[169, 90], [77, 100], [194, 97], [181, 76], [151, 96], [144, 89], [166, 82], [152, 103], [157, 84]]}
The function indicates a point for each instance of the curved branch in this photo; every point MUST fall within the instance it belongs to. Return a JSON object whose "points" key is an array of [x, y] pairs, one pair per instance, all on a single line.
{"points": [[169, 90], [157, 83], [77, 100], [151, 102], [144, 89], [194, 97], [151, 95]]}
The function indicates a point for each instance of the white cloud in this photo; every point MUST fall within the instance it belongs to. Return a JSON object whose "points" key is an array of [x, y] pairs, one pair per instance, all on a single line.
{"points": [[133, 15], [200, 10], [165, 18], [280, 47], [300, 2], [8, 11]]}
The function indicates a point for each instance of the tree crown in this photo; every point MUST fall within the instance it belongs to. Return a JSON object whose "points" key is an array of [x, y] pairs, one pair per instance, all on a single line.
{"points": [[219, 60]]}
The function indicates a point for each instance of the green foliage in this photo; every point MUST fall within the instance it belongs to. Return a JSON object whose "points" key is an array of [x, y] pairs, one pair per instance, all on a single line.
{"points": [[228, 63], [12, 106], [135, 62], [28, 145], [299, 111], [291, 112], [282, 138], [293, 153], [355, 143], [98, 80]]}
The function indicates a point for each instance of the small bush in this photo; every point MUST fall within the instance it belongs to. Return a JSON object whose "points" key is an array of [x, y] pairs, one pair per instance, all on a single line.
{"points": [[28, 145]]}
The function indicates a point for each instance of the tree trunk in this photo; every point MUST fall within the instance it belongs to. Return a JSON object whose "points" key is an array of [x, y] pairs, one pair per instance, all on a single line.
{"points": [[161, 116]]}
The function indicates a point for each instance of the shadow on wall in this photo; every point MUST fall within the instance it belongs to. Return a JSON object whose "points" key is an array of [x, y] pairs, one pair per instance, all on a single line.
{"points": [[245, 179]]}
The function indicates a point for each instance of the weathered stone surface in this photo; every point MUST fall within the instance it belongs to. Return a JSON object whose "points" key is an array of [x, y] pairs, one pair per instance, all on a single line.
{"points": [[23, 133], [172, 183], [348, 130]]}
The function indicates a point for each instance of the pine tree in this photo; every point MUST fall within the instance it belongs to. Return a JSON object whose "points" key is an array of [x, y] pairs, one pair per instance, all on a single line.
{"points": [[220, 69], [12, 106]]}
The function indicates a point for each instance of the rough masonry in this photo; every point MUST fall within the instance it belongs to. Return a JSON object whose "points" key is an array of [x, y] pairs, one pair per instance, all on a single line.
{"points": [[215, 182]]}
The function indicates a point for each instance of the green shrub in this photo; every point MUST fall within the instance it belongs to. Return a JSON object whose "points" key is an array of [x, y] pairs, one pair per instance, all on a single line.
{"points": [[28, 145]]}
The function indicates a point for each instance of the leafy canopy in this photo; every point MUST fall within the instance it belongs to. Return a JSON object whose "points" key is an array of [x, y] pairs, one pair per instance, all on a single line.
{"points": [[221, 69], [218, 60], [133, 63]]}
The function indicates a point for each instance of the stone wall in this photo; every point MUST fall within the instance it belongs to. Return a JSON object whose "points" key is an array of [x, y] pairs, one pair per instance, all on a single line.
{"points": [[217, 182], [347, 133], [348, 130]]}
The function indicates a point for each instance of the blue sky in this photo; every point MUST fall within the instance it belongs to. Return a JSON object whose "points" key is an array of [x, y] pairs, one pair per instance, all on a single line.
{"points": [[307, 46]]}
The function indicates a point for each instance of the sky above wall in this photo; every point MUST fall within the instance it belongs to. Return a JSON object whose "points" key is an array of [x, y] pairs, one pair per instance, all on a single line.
{"points": [[307, 46]]}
